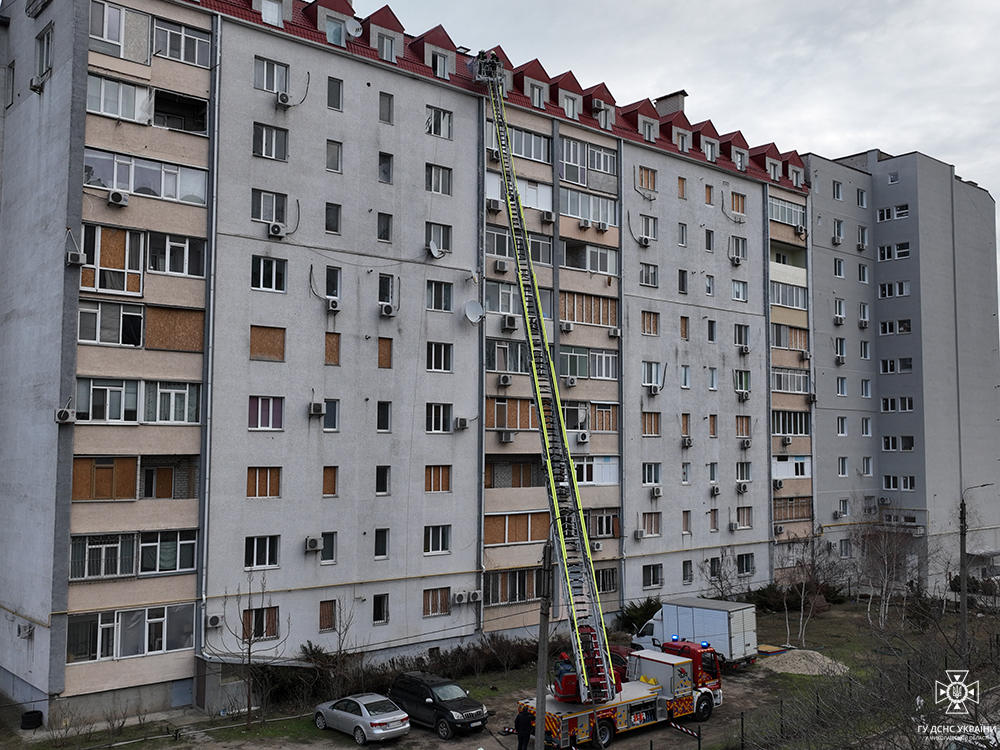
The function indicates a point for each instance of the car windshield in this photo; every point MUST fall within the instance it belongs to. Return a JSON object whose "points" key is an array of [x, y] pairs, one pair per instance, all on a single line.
{"points": [[448, 692], [381, 706]]}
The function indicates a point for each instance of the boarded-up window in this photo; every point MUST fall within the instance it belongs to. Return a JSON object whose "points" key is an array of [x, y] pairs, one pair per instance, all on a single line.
{"points": [[267, 343], [264, 481], [437, 601], [329, 480], [650, 423], [437, 479], [158, 481], [713, 425], [743, 426], [650, 323], [384, 353], [104, 478], [175, 330], [495, 529], [604, 417], [511, 414], [488, 476], [520, 475], [588, 308], [260, 623], [516, 528], [333, 348], [685, 424], [685, 321], [328, 614]]}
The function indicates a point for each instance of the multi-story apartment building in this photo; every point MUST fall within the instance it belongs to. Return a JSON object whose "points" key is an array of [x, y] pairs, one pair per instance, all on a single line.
{"points": [[904, 289], [282, 331]]}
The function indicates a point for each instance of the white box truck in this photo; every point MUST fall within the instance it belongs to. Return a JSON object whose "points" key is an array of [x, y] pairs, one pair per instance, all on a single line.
{"points": [[729, 627]]}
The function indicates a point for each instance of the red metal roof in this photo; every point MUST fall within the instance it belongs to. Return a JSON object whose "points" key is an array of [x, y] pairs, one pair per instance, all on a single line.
{"points": [[532, 69], [600, 92], [566, 82], [337, 6], [733, 139], [385, 18], [436, 36]]}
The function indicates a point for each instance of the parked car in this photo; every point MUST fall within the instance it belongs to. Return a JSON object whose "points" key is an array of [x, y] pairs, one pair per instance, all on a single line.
{"points": [[619, 661], [437, 702], [369, 717]]}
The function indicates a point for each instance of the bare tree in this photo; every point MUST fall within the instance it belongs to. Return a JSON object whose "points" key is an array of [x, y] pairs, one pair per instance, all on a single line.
{"points": [[721, 573], [883, 554], [811, 565]]}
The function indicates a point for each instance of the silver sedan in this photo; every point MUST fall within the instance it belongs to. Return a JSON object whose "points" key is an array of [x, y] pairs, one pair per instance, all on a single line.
{"points": [[369, 717]]}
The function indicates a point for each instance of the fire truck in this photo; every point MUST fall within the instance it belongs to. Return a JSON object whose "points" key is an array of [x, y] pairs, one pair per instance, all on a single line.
{"points": [[588, 701], [707, 662]]}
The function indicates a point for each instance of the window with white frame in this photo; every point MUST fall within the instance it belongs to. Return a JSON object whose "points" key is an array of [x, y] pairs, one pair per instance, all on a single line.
{"points": [[862, 198], [438, 123], [865, 350], [744, 516], [842, 466], [745, 564], [270, 142], [269, 75], [439, 234], [652, 576], [267, 206], [604, 364], [579, 205], [439, 65], [838, 268], [597, 469], [709, 285], [841, 386], [501, 298], [438, 357], [901, 211], [172, 403], [789, 295], [335, 31], [167, 551], [438, 418], [380, 609], [863, 273], [713, 378], [102, 556], [866, 466], [574, 161], [838, 191], [786, 380], [386, 48], [842, 426], [381, 544], [648, 226], [651, 373], [265, 412], [117, 99], [785, 212], [107, 400], [145, 177], [439, 295], [739, 247], [110, 323], [438, 179], [682, 235], [602, 160], [866, 427], [126, 633], [651, 473], [183, 43], [260, 552], [649, 274], [437, 539], [740, 290], [331, 419], [267, 274]]}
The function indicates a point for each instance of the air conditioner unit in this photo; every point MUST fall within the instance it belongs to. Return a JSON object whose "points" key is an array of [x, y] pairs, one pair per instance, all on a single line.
{"points": [[214, 621], [461, 423], [786, 440], [733, 526], [885, 501], [493, 205], [746, 443], [584, 223], [598, 105], [117, 198], [386, 310], [333, 305], [25, 630], [614, 333], [276, 229], [548, 217], [505, 380], [831, 546], [736, 260], [501, 266], [583, 437], [602, 226], [743, 395], [317, 409], [566, 326], [812, 398], [777, 484], [494, 154], [862, 323], [919, 530], [656, 491], [778, 530], [640, 533], [804, 355], [506, 436], [862, 247], [314, 543], [65, 416], [282, 99], [476, 595], [838, 320], [37, 84], [715, 491], [654, 390], [744, 349], [570, 381], [75, 259], [644, 241], [597, 546], [800, 230], [460, 597], [509, 322], [836, 240], [837, 515], [841, 359], [686, 442], [742, 487]]}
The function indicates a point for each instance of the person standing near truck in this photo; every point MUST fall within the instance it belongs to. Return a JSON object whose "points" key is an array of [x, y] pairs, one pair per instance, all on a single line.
{"points": [[523, 725]]}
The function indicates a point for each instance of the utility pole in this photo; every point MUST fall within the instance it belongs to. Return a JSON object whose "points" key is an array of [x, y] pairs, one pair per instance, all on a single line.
{"points": [[963, 577], [545, 602]]}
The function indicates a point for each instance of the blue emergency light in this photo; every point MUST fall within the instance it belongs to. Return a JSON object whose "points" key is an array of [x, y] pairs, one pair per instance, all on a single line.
{"points": [[674, 638], [704, 644]]}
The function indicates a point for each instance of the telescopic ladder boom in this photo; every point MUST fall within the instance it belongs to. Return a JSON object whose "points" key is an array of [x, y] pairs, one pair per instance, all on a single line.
{"points": [[591, 655]]}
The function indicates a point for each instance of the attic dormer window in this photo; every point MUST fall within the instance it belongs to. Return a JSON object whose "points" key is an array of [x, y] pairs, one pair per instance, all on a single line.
{"points": [[569, 105], [439, 64], [537, 97], [335, 32], [648, 131], [710, 149], [774, 170], [681, 141], [386, 48], [271, 11], [797, 177], [740, 160], [602, 113]]}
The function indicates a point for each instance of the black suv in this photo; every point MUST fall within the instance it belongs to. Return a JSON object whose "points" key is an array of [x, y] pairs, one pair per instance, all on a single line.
{"points": [[438, 703]]}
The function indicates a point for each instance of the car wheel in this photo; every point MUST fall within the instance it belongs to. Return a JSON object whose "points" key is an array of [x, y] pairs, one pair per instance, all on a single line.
{"points": [[320, 720], [605, 733], [359, 736], [444, 730], [703, 710]]}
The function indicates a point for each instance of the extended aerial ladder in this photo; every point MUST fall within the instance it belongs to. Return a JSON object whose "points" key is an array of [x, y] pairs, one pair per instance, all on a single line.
{"points": [[591, 655]]}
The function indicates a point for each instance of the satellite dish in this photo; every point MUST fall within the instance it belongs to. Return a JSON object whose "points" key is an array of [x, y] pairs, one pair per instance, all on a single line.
{"points": [[474, 311], [353, 28], [433, 249]]}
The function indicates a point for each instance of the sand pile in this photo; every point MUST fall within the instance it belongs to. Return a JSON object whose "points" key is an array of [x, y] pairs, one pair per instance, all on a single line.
{"points": [[803, 662]]}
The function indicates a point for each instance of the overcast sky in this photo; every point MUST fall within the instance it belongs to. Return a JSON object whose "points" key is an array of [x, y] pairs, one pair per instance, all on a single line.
{"points": [[822, 76]]}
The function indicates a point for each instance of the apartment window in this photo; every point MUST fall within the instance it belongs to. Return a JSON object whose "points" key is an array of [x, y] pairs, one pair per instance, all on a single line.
{"points": [[386, 48], [110, 323], [842, 466], [651, 424], [838, 191], [686, 472], [327, 615], [382, 476], [385, 168], [744, 516], [385, 107], [43, 52], [439, 64], [709, 285], [682, 235], [332, 348], [902, 250], [790, 423], [709, 195], [687, 571], [682, 188], [574, 157], [437, 179], [863, 311], [334, 156], [862, 235], [145, 177], [884, 214], [684, 327], [384, 229], [331, 419], [439, 235], [267, 206], [573, 360], [260, 552], [438, 418], [682, 281], [9, 87], [866, 427], [438, 357], [648, 275], [333, 218], [745, 565], [651, 473], [651, 524], [266, 343], [265, 412], [774, 170], [437, 540], [269, 75], [906, 403], [649, 131], [381, 544], [713, 378], [740, 291], [537, 96], [685, 522], [887, 366], [866, 388], [107, 400], [740, 160], [380, 609], [741, 380], [862, 198], [901, 211], [841, 386], [182, 43], [838, 268], [650, 323], [264, 481], [651, 373], [787, 380], [604, 364], [744, 471], [865, 351], [906, 443], [713, 519], [866, 466], [711, 334], [685, 376], [647, 178], [167, 551], [270, 142], [838, 229], [106, 21], [648, 226], [709, 241], [102, 556], [329, 481], [438, 122], [739, 203], [437, 479], [652, 576], [863, 273]]}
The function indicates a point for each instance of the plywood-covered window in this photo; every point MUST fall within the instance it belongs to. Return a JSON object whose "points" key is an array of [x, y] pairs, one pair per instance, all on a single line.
{"points": [[685, 424], [713, 425], [488, 476], [650, 424], [437, 479], [520, 475], [604, 417], [437, 601], [264, 481], [384, 353], [329, 481], [742, 426], [328, 615], [104, 478], [685, 326], [332, 348], [113, 260], [267, 343], [588, 308], [650, 323], [175, 329], [516, 528]]}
